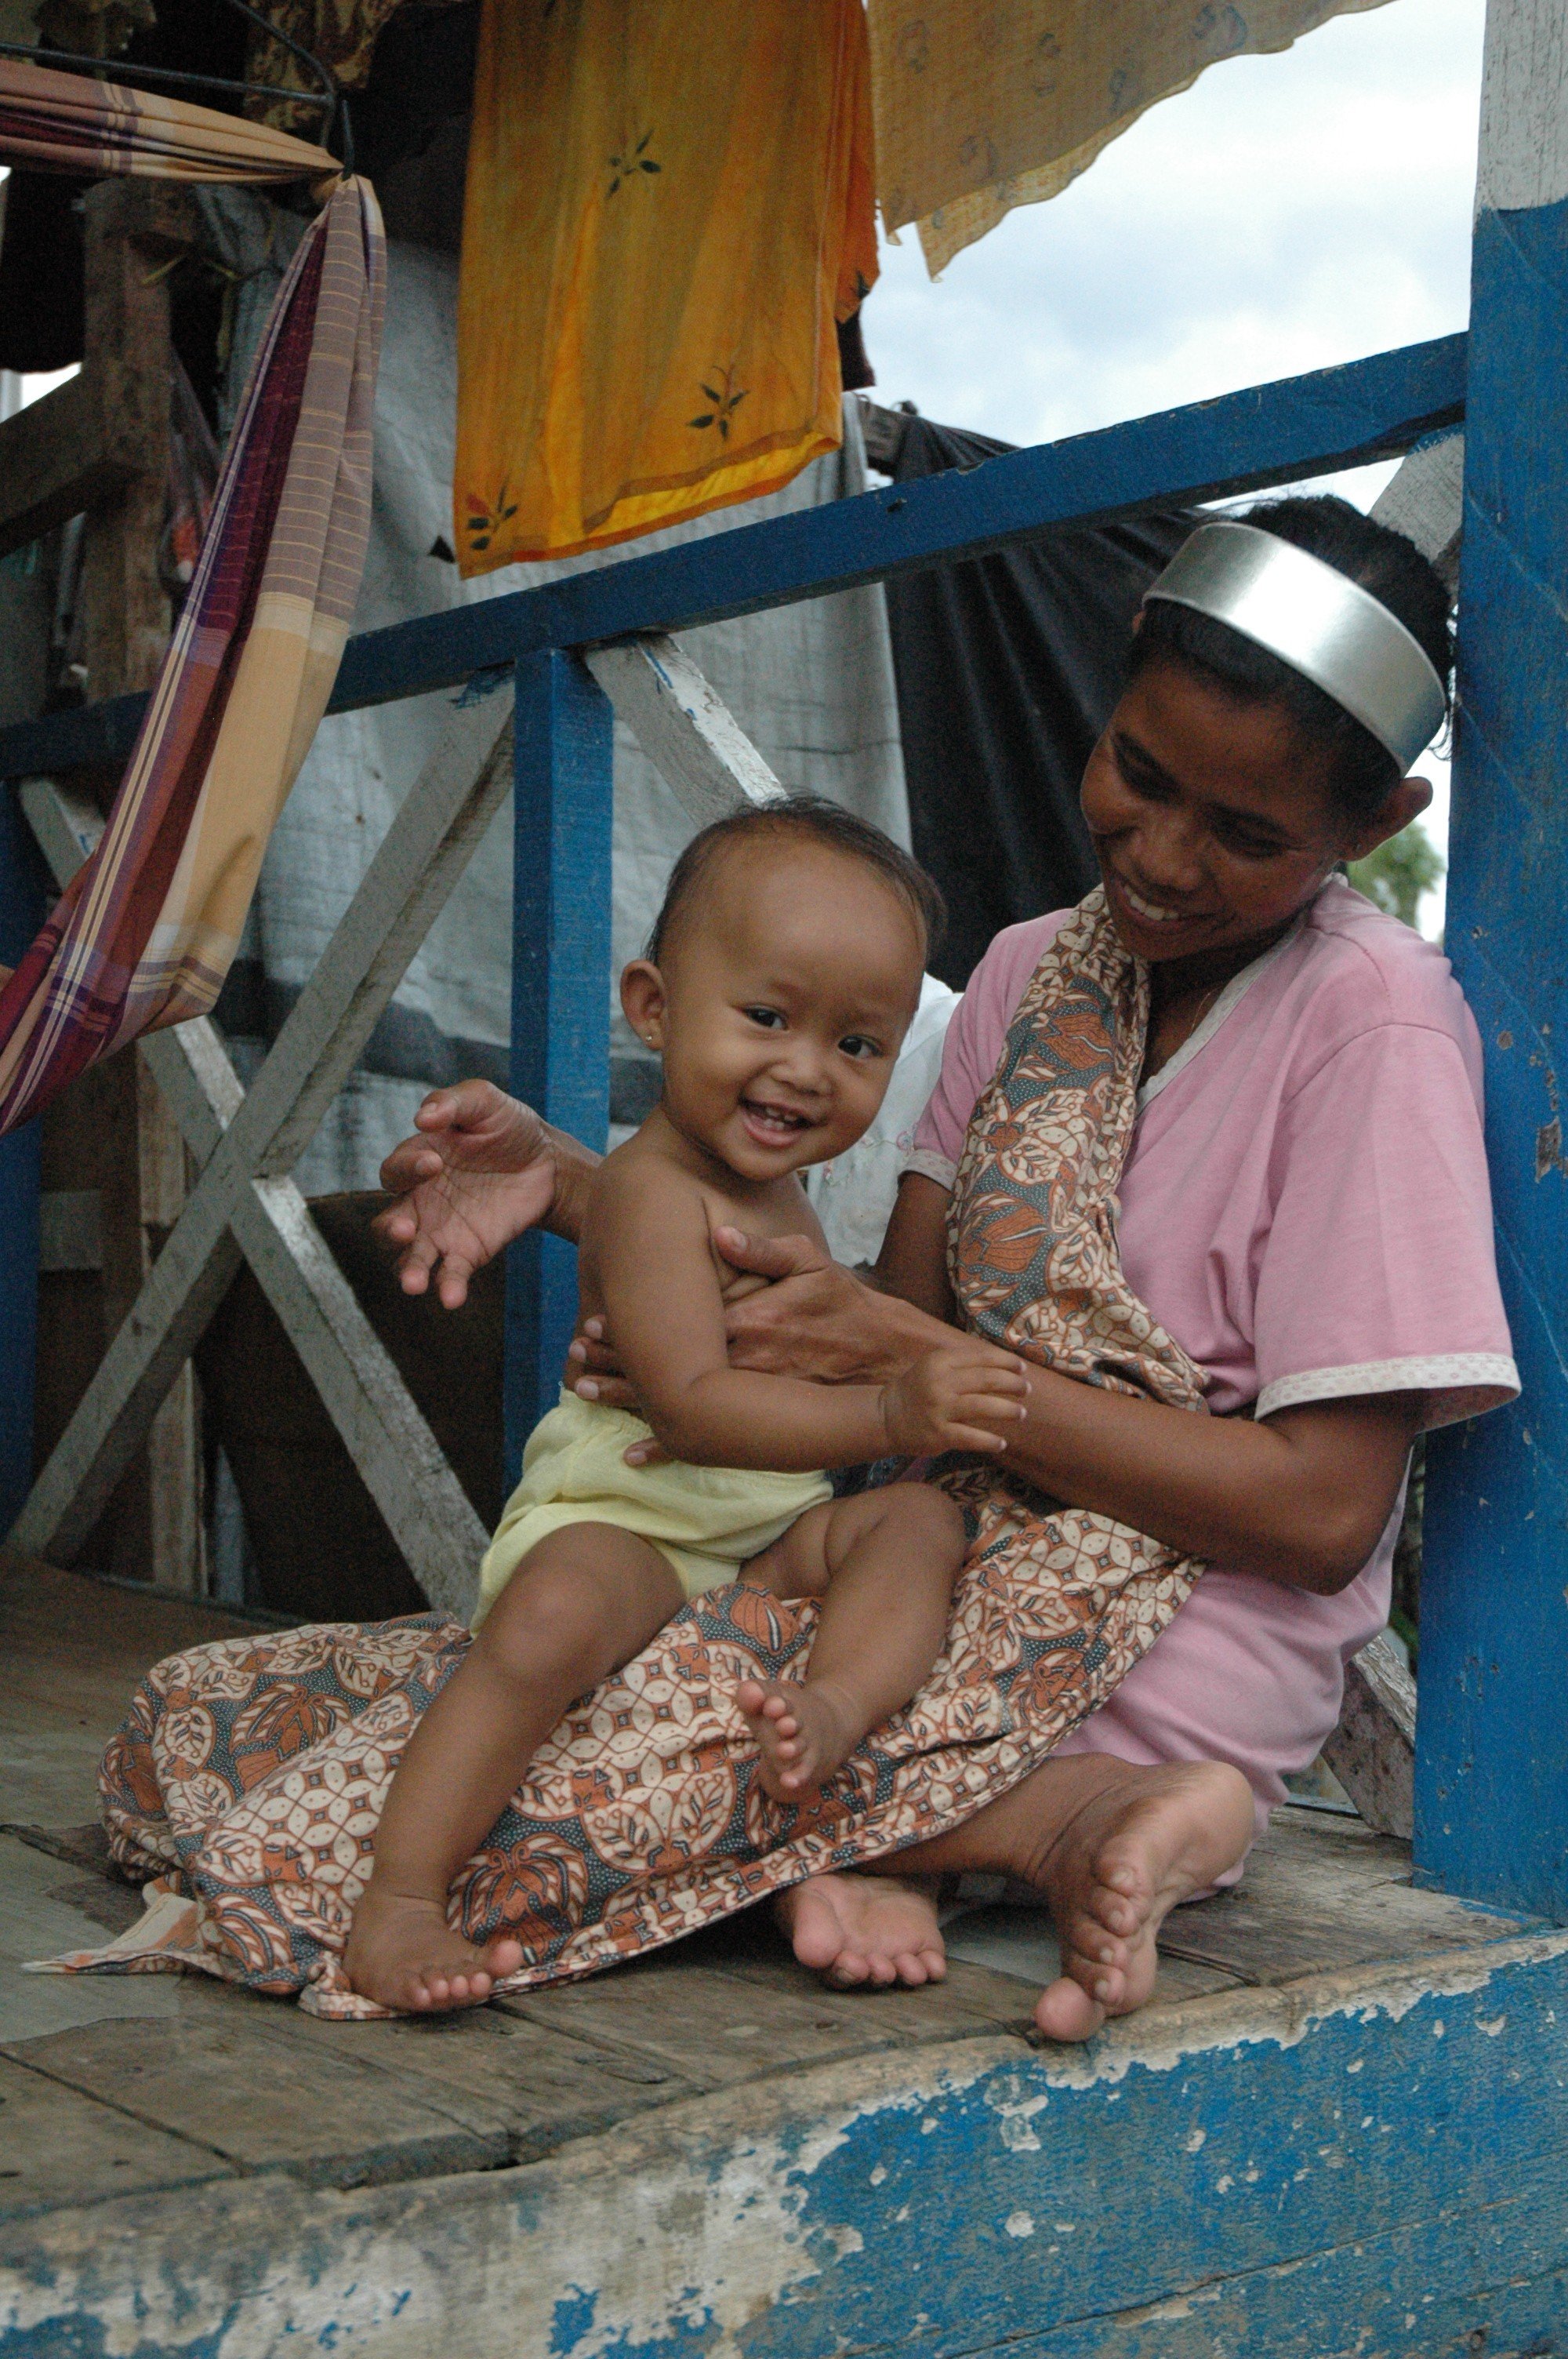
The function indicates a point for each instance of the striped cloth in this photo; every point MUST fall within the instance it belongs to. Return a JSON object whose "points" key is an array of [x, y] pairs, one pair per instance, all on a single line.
{"points": [[145, 933], [64, 123]]}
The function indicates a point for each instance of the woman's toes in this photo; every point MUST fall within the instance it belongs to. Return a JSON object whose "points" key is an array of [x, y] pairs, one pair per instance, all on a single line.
{"points": [[1092, 1942], [1112, 1910], [1106, 1985]]}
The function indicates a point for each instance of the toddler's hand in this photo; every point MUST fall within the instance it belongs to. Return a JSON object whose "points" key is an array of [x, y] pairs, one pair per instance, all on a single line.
{"points": [[965, 1395]]}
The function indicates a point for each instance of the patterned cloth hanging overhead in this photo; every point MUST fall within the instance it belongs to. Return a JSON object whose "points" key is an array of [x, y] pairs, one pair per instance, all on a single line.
{"points": [[143, 934], [668, 208], [339, 34], [985, 104]]}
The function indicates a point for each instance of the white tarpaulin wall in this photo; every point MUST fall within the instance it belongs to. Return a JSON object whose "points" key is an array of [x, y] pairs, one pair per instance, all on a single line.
{"points": [[811, 684]]}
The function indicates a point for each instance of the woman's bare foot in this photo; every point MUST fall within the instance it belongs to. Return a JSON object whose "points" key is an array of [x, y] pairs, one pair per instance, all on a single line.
{"points": [[402, 1953], [1146, 1840], [803, 1733], [864, 1932]]}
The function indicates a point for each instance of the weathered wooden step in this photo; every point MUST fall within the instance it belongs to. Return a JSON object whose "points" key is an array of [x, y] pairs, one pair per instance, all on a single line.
{"points": [[60, 2148]]}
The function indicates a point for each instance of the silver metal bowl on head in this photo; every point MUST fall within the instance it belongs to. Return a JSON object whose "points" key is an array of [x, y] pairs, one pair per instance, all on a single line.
{"points": [[1314, 618]]}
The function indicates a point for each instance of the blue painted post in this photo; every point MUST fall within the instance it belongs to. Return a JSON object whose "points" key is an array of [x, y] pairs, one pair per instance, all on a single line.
{"points": [[564, 810], [21, 914], [1492, 1762]]}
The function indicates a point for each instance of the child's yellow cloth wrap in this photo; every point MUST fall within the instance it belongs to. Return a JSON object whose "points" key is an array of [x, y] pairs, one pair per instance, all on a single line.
{"points": [[706, 1520]]}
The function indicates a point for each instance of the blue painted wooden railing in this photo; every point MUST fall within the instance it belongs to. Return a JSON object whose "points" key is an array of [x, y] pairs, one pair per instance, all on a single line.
{"points": [[1500, 1500], [1270, 434]]}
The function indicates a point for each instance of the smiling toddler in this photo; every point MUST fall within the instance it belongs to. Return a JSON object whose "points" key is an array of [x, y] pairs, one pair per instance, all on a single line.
{"points": [[781, 978]]}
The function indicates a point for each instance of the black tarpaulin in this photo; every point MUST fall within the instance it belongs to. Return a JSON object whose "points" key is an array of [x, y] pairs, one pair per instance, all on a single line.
{"points": [[1008, 669]]}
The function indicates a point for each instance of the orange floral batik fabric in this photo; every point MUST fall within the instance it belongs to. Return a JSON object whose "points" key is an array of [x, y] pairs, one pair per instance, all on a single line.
{"points": [[668, 209], [248, 1778]]}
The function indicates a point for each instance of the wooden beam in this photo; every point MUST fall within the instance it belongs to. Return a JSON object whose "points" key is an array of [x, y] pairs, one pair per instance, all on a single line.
{"points": [[1372, 1750], [1244, 442], [396, 1456], [21, 914], [58, 457], [693, 740], [1491, 1793], [1425, 501], [133, 230], [82, 447]]}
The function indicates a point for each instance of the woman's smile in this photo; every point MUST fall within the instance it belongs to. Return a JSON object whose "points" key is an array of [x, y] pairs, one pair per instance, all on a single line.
{"points": [[1152, 912]]}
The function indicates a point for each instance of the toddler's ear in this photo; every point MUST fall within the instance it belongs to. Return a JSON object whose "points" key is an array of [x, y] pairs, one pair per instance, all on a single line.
{"points": [[643, 1001]]}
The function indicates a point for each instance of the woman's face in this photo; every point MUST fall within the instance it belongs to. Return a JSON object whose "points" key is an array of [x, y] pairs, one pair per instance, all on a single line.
{"points": [[1213, 822]]}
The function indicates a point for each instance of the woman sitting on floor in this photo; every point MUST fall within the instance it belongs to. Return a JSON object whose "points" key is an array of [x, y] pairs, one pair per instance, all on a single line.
{"points": [[1206, 1153], [1304, 1208]]}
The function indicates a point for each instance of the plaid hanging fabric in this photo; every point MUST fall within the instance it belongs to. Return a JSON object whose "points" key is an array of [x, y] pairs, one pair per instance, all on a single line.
{"points": [[145, 933]]}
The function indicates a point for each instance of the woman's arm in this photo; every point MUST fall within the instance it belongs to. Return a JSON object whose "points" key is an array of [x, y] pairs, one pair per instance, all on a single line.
{"points": [[913, 1263], [648, 1247], [1299, 1498], [813, 1319]]}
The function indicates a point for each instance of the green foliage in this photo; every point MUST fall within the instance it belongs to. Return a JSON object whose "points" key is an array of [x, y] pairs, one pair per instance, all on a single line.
{"points": [[1397, 875]]}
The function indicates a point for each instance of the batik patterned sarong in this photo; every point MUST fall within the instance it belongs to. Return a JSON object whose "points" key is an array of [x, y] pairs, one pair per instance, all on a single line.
{"points": [[249, 1776]]}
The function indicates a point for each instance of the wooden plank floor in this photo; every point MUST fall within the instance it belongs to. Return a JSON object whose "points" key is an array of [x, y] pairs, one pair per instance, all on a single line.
{"points": [[141, 2084]]}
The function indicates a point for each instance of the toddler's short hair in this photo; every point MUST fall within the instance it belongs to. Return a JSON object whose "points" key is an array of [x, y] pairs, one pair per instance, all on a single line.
{"points": [[813, 819]]}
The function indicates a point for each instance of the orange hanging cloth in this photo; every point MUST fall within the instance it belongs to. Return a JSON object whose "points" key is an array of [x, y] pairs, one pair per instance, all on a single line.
{"points": [[669, 207]]}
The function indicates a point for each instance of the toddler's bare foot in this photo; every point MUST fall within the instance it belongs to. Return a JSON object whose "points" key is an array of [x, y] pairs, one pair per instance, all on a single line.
{"points": [[1143, 1844], [402, 1953], [803, 1733], [864, 1932]]}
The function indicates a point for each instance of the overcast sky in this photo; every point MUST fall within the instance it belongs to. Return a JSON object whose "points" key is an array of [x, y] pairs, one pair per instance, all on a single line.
{"points": [[1285, 214]]}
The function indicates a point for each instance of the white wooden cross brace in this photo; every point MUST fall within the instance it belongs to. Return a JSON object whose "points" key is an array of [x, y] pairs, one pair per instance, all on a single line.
{"points": [[244, 1203], [1424, 499]]}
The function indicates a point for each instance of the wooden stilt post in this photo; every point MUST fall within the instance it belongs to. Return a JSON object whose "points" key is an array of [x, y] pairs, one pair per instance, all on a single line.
{"points": [[108, 445], [564, 804], [22, 881], [1492, 1754]]}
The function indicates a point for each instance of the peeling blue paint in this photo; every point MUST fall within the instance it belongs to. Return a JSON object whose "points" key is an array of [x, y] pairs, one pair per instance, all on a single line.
{"points": [[1309, 2196], [1492, 1761], [574, 2317]]}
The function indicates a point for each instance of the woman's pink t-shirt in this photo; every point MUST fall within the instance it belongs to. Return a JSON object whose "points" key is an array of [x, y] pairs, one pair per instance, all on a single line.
{"points": [[1305, 1208]]}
